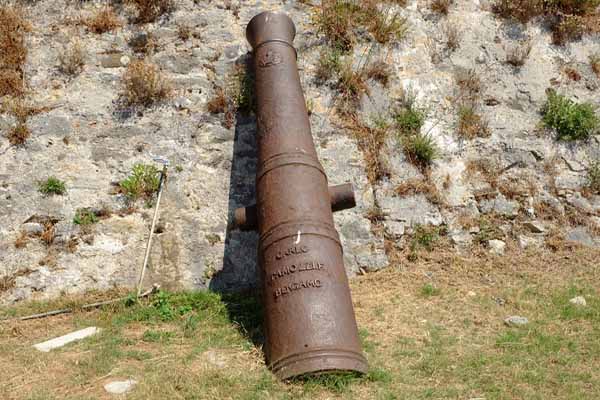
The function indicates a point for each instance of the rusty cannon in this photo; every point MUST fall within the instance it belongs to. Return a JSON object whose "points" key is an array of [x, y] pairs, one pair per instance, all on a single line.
{"points": [[309, 322]]}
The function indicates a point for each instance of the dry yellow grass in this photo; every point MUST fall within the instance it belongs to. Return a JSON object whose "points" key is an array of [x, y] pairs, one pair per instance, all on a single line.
{"points": [[144, 84], [431, 329], [13, 50], [104, 20]]}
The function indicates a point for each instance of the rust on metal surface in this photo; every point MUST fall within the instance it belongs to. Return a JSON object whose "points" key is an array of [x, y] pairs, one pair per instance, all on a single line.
{"points": [[309, 324]]}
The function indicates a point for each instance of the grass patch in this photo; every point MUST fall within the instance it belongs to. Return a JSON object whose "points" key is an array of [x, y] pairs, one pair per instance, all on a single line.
{"points": [[104, 20], [386, 28], [453, 347], [72, 58], [441, 6], [429, 290], [568, 19], [570, 120], [144, 84], [471, 124], [150, 10], [52, 186], [595, 63], [518, 55], [13, 50], [420, 149], [85, 216], [329, 64], [341, 22], [142, 183], [416, 186]]}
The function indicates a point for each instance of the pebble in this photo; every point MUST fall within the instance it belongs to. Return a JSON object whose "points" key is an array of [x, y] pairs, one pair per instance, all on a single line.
{"points": [[516, 320], [496, 246], [578, 301], [120, 387]]}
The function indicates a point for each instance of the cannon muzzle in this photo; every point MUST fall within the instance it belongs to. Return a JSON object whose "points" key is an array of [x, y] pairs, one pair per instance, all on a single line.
{"points": [[309, 322]]}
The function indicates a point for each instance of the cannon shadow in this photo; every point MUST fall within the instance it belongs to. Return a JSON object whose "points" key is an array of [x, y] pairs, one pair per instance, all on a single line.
{"points": [[237, 281]]}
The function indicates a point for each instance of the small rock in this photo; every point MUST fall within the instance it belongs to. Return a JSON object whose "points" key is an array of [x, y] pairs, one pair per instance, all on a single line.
{"points": [[516, 320], [496, 246], [120, 387], [471, 293], [33, 228], [112, 60], [580, 235], [527, 241], [480, 58], [125, 61], [461, 238], [66, 339], [578, 301]]}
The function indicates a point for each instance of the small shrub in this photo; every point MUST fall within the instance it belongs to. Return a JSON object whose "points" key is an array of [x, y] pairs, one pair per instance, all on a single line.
{"points": [[72, 59], [428, 290], [84, 216], [385, 29], [441, 6], [521, 10], [569, 28], [13, 50], [142, 183], [420, 149], [184, 31], [517, 55], [420, 186], [20, 110], [570, 120], [335, 20], [469, 84], [593, 177], [452, 35], [379, 71], [409, 118], [329, 64], [150, 10], [218, 102], [21, 240], [471, 124], [243, 89], [105, 20], [572, 74], [144, 84], [52, 186], [595, 63], [351, 83], [18, 134], [425, 237]]}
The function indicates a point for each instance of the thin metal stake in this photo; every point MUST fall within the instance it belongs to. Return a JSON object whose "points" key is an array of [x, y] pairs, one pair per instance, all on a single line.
{"points": [[163, 175]]}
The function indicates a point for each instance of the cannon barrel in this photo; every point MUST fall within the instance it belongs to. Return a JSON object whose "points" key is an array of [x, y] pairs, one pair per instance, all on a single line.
{"points": [[309, 321]]}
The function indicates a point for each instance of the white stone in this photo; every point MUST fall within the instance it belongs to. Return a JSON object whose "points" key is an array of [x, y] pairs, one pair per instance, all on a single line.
{"points": [[496, 246], [125, 61], [66, 339], [578, 301], [516, 320], [120, 387], [535, 226]]}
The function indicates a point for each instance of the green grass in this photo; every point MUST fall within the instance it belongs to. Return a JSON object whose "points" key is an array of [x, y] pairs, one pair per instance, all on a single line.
{"points": [[84, 217], [52, 186], [142, 182], [420, 149], [570, 120], [455, 347], [429, 290]]}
